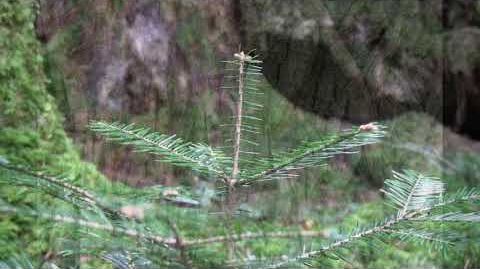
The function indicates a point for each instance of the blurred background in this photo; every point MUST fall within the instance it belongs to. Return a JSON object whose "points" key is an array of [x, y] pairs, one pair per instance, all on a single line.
{"points": [[412, 64], [159, 62]]}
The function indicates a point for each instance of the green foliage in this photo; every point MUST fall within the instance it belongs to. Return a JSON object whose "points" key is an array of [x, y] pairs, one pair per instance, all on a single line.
{"points": [[171, 228], [310, 154], [420, 202], [197, 157], [31, 135], [31, 130]]}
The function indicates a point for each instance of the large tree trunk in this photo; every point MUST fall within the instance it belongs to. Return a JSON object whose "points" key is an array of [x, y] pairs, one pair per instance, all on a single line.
{"points": [[370, 60]]}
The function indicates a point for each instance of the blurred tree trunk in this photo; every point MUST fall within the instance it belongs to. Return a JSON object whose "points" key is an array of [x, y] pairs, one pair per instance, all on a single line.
{"points": [[147, 60], [369, 60]]}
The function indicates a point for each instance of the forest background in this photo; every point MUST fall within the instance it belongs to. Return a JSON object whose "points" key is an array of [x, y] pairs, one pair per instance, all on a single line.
{"points": [[327, 64]]}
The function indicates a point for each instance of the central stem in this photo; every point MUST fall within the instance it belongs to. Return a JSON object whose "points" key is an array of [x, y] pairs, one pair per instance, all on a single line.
{"points": [[230, 202], [238, 123]]}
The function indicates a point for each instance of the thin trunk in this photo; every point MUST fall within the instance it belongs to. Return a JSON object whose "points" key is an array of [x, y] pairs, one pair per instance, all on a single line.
{"points": [[238, 121]]}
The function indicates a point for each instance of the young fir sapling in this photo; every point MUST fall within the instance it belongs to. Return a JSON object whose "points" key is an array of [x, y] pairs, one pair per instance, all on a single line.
{"points": [[421, 202]]}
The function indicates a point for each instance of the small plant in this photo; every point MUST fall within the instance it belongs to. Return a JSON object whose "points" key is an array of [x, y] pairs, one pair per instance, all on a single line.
{"points": [[168, 227]]}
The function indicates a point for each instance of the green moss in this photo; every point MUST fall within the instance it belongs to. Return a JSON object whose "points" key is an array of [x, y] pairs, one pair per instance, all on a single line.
{"points": [[31, 130]]}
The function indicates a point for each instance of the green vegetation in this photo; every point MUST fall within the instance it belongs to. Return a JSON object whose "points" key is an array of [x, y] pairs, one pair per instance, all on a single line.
{"points": [[178, 227], [57, 209], [31, 130]]}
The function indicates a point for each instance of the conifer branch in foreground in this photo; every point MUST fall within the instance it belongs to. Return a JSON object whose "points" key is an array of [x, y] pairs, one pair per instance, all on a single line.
{"points": [[58, 187], [416, 197], [173, 150], [287, 165]]}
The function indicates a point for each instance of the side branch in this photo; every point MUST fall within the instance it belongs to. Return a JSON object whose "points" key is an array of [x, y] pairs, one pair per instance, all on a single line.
{"points": [[278, 167], [81, 194], [341, 243], [94, 225], [252, 236], [315, 153], [173, 150], [175, 241]]}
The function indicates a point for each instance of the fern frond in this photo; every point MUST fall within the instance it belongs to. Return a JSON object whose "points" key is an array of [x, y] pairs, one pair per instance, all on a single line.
{"points": [[198, 157], [312, 154]]}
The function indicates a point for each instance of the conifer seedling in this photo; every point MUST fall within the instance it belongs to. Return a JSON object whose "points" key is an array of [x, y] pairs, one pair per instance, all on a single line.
{"points": [[129, 238]]}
